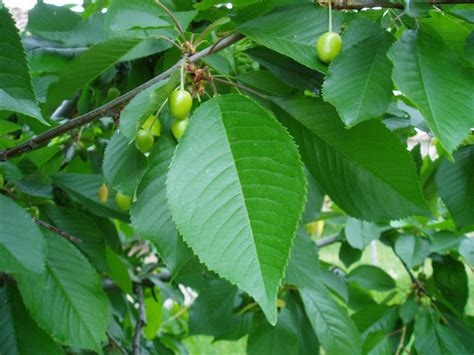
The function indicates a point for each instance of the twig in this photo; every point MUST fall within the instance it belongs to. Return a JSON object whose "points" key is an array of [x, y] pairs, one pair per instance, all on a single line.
{"points": [[141, 321], [240, 86], [327, 241], [57, 231], [112, 106], [401, 345], [117, 344], [361, 4]]}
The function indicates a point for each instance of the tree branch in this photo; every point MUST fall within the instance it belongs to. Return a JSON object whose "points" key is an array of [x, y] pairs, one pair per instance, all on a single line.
{"points": [[361, 4], [112, 106], [141, 321], [327, 241], [57, 231]]}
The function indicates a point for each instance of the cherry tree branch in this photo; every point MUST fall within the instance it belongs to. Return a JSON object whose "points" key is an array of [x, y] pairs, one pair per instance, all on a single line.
{"points": [[57, 231], [111, 107], [141, 321]]}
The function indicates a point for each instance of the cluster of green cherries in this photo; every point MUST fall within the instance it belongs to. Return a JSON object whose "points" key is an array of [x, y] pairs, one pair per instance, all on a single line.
{"points": [[329, 45], [180, 102]]}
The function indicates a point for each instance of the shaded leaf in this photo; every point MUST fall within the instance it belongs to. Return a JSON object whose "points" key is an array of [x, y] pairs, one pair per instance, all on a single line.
{"points": [[371, 277], [413, 250]]}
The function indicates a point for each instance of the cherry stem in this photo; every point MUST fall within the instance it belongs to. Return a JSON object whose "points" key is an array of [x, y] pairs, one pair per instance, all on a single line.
{"points": [[330, 15], [182, 73], [156, 115]]}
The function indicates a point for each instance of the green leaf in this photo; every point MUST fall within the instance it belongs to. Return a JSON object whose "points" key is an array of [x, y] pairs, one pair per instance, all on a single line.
{"points": [[84, 228], [236, 189], [377, 343], [265, 82], [293, 31], [359, 82], [124, 165], [86, 67], [413, 250], [303, 267], [444, 241], [154, 314], [118, 270], [16, 91], [290, 72], [359, 233], [151, 216], [432, 77], [213, 312], [141, 107], [409, 309], [315, 199], [450, 277], [466, 249], [371, 277], [376, 318], [8, 127], [265, 339], [84, 188], [21, 242], [67, 300], [335, 330], [19, 334], [365, 170], [349, 255], [455, 182], [433, 338]]}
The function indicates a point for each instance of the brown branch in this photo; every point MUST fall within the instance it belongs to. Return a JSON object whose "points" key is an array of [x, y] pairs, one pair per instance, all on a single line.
{"points": [[112, 106], [361, 4], [57, 231], [141, 321], [240, 86], [327, 241]]}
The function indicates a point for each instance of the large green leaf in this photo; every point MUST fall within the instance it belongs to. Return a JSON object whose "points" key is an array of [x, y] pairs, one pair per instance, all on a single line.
{"points": [[335, 330], [236, 188], [455, 182], [359, 82], [84, 188], [432, 77], [83, 227], [141, 107], [19, 334], [151, 216], [433, 338], [124, 165], [413, 250], [16, 91], [293, 31], [365, 170], [86, 67], [21, 242], [67, 300]]}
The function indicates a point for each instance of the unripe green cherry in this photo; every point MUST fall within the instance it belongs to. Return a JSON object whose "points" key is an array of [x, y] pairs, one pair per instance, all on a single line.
{"points": [[144, 140], [123, 201], [155, 125], [180, 103], [328, 46], [178, 128], [2, 181], [113, 93]]}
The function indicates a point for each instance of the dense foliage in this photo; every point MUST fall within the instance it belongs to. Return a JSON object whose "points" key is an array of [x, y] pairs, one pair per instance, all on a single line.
{"points": [[253, 193]]}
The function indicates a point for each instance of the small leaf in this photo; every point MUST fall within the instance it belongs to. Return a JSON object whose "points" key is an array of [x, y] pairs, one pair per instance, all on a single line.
{"points": [[455, 182], [21, 242], [67, 300], [236, 189], [16, 91], [19, 334], [278, 32], [450, 277], [432, 77], [118, 271], [359, 82], [124, 165], [412, 249], [371, 277], [359, 233]]}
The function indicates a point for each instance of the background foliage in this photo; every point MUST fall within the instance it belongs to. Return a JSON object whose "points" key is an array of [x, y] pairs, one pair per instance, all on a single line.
{"points": [[296, 214]]}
